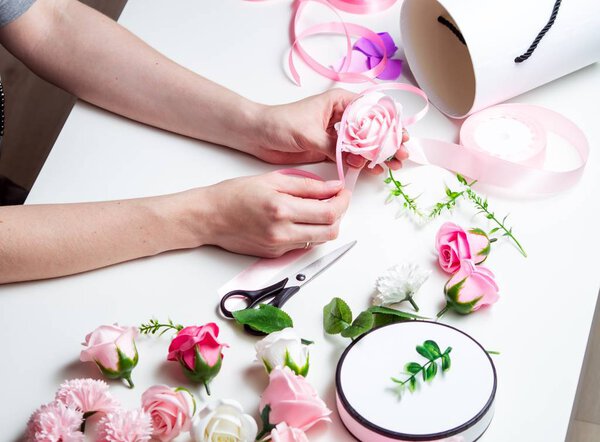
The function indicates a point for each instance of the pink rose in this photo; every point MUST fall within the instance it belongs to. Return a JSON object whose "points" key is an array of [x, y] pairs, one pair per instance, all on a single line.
{"points": [[171, 411], [469, 289], [283, 433], [113, 349], [293, 400], [373, 128], [454, 244], [198, 351]]}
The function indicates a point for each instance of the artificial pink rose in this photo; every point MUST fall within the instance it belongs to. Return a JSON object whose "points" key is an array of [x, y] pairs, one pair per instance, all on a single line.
{"points": [[283, 433], [293, 400], [113, 349], [454, 244], [373, 128], [171, 411], [198, 351], [469, 289]]}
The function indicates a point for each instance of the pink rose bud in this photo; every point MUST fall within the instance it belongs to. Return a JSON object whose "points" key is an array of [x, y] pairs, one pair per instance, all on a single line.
{"points": [[291, 399], [283, 433], [453, 244], [113, 349], [373, 128], [171, 411], [198, 352], [469, 289]]}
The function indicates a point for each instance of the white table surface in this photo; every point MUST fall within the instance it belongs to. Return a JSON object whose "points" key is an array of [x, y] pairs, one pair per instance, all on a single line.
{"points": [[540, 324]]}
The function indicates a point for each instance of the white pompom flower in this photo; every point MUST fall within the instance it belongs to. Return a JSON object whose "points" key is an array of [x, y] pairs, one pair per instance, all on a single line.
{"points": [[400, 283]]}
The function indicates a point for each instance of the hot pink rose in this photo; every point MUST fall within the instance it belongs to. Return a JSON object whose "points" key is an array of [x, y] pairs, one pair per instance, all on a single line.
{"points": [[283, 433], [469, 289], [373, 128], [113, 349], [454, 244], [171, 411], [198, 351], [293, 400]]}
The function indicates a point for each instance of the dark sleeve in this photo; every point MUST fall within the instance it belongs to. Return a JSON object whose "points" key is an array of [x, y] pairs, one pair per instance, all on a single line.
{"points": [[12, 9]]}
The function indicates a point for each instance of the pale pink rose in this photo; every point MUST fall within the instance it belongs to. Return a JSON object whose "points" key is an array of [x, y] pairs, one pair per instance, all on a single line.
{"points": [[373, 128], [113, 349], [55, 422], [293, 400], [171, 411], [283, 433], [471, 288], [454, 244], [87, 396], [125, 426]]}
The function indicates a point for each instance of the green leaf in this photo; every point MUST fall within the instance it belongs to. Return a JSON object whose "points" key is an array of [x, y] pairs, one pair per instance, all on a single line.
{"points": [[337, 316], [412, 384], [425, 353], [267, 426], [494, 230], [431, 371], [412, 367], [266, 318], [461, 179], [433, 348], [386, 315], [306, 342], [446, 362], [362, 324]]}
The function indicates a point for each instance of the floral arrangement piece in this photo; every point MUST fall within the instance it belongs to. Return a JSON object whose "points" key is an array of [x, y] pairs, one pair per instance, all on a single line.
{"points": [[125, 426], [113, 350], [430, 351], [398, 284], [199, 352], [291, 399], [454, 244], [223, 420], [170, 409], [55, 422], [283, 348], [337, 318], [266, 318], [283, 433], [154, 326], [408, 202]]}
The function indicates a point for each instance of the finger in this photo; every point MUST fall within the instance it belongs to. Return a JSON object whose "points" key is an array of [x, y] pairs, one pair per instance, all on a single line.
{"points": [[394, 164], [304, 187], [355, 161], [405, 136], [277, 157], [300, 234], [377, 170], [401, 154], [309, 211]]}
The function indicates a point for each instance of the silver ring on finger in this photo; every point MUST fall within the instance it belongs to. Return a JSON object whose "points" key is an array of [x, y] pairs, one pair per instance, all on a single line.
{"points": [[307, 245]]}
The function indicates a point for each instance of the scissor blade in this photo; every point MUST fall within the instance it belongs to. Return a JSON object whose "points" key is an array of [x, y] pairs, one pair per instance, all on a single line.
{"points": [[310, 271]]}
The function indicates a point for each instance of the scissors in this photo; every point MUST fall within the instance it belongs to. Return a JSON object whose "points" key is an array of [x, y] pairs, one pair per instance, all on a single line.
{"points": [[280, 292]]}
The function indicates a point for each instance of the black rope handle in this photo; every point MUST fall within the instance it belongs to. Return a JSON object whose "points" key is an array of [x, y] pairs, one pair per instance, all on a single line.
{"points": [[452, 28], [545, 29]]}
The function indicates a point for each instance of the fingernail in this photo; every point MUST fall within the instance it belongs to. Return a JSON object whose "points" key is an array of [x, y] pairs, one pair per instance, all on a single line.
{"points": [[333, 184], [354, 161]]}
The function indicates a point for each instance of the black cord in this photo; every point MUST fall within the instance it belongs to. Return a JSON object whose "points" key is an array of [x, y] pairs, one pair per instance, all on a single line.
{"points": [[452, 28], [527, 54]]}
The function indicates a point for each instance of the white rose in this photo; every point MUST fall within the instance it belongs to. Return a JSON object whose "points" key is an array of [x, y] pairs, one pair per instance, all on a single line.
{"points": [[283, 348], [224, 420]]}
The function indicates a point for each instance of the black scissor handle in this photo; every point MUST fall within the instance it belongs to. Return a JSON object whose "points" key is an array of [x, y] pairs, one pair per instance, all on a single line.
{"points": [[253, 297]]}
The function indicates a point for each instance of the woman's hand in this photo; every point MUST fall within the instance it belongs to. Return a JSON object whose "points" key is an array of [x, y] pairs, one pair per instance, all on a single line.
{"points": [[303, 131], [268, 215]]}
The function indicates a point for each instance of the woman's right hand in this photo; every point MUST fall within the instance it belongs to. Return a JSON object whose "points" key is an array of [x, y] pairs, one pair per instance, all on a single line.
{"points": [[268, 215]]}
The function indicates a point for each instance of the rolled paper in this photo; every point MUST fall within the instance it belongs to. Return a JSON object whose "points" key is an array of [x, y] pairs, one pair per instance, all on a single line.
{"points": [[466, 54]]}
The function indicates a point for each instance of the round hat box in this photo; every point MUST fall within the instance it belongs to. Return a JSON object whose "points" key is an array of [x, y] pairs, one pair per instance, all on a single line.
{"points": [[456, 405]]}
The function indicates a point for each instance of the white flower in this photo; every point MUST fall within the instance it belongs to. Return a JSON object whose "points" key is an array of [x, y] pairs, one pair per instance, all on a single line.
{"points": [[399, 283], [283, 348], [224, 420]]}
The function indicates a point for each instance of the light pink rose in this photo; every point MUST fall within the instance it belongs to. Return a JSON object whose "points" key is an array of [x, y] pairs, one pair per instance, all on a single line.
{"points": [[471, 288], [171, 411], [283, 433], [113, 349], [373, 128], [293, 400], [454, 244]]}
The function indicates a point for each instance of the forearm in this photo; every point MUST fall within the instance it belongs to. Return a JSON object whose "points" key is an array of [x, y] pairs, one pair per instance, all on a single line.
{"points": [[101, 62], [45, 241]]}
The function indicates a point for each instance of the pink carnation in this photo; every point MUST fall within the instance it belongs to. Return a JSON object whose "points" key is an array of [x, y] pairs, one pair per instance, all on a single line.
{"points": [[125, 426], [55, 422], [87, 396]]}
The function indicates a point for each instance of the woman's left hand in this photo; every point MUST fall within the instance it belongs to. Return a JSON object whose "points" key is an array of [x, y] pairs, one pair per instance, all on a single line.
{"points": [[303, 132]]}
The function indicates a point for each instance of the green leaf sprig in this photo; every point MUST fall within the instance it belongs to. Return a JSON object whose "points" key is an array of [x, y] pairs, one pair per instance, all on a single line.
{"points": [[154, 326], [430, 350], [337, 319], [409, 203], [266, 318]]}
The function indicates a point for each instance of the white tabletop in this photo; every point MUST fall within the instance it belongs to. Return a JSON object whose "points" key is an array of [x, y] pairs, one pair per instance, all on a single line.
{"points": [[540, 325]]}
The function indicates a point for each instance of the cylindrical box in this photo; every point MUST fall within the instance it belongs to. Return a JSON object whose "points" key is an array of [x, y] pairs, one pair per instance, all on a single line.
{"points": [[462, 52]]}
